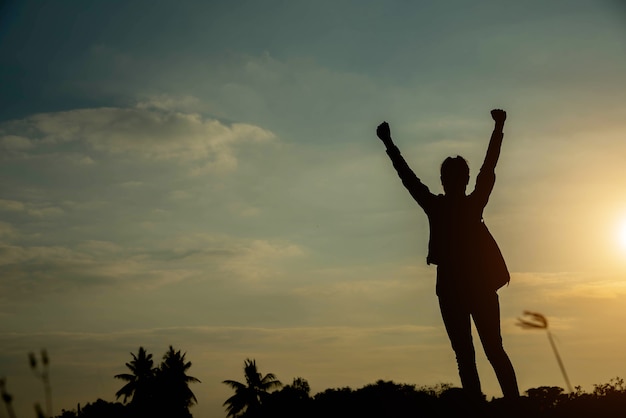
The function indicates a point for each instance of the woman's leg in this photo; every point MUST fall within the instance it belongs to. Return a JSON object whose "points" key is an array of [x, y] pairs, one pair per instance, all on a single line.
{"points": [[486, 314], [456, 318]]}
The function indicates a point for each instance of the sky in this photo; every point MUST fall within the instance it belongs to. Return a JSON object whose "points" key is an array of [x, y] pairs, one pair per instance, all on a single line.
{"points": [[207, 175]]}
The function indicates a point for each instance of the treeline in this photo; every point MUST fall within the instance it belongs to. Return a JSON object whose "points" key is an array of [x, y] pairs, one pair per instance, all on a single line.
{"points": [[163, 391], [386, 399]]}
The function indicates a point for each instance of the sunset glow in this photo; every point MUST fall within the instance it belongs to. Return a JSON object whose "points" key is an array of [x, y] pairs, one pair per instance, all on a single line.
{"points": [[621, 235]]}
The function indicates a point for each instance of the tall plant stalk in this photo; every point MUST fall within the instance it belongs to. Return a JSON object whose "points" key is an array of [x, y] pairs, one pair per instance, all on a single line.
{"points": [[44, 375], [538, 321], [6, 398]]}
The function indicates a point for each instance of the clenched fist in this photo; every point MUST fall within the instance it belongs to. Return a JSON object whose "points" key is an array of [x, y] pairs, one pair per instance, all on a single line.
{"points": [[498, 115], [383, 132]]}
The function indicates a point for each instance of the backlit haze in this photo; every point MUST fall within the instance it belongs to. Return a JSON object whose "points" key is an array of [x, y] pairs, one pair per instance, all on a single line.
{"points": [[207, 175]]}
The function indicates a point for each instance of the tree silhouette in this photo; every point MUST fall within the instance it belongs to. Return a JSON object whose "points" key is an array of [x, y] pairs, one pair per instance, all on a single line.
{"points": [[299, 388], [175, 396], [104, 409], [249, 396], [140, 381], [292, 400]]}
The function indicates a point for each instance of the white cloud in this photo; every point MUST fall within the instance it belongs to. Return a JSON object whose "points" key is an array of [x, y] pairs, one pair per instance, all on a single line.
{"points": [[80, 159], [15, 143], [256, 259], [249, 212], [179, 194], [11, 205], [572, 285], [164, 102], [250, 260], [7, 230], [149, 132], [45, 212], [33, 209], [100, 247], [131, 184], [95, 263]]}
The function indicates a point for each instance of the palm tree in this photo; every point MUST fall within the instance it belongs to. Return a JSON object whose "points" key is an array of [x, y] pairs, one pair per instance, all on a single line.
{"points": [[140, 382], [173, 384], [249, 397]]}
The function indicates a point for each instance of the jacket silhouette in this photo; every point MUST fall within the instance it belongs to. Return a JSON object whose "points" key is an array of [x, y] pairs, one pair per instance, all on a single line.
{"points": [[459, 240], [470, 266]]}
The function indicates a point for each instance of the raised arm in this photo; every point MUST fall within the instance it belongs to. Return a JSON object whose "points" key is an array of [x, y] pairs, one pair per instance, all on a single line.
{"points": [[493, 152], [418, 190], [487, 175]]}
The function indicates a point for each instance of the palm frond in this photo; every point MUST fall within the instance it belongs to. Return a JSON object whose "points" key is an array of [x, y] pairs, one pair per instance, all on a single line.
{"points": [[125, 376], [234, 384]]}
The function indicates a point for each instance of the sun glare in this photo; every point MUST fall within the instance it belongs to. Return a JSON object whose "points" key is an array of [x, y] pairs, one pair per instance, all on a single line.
{"points": [[621, 235]]}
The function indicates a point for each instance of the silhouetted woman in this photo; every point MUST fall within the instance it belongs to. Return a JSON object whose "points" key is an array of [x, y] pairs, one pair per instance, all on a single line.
{"points": [[470, 267]]}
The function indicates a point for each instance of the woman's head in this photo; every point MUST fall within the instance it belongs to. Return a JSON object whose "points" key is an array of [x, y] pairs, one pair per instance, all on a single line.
{"points": [[454, 175]]}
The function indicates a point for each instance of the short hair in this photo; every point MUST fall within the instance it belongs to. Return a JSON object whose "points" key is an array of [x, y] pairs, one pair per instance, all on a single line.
{"points": [[454, 169]]}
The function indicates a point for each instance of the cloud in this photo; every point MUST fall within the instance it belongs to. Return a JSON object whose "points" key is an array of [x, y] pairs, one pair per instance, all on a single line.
{"points": [[594, 290], [131, 184], [41, 270], [249, 260], [7, 230], [15, 143], [46, 212], [11, 205], [36, 210], [98, 263], [146, 132], [187, 104], [179, 194], [572, 285], [79, 159], [255, 260]]}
